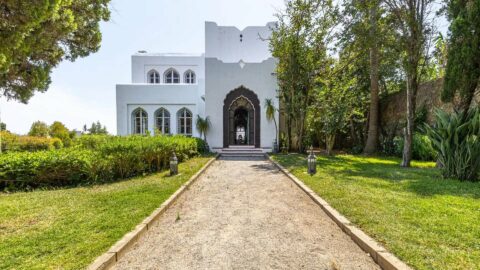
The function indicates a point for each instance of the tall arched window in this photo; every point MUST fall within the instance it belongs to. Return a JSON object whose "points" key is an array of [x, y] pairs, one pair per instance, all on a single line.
{"points": [[189, 77], [184, 122], [153, 76], [140, 121], [172, 76], [162, 121]]}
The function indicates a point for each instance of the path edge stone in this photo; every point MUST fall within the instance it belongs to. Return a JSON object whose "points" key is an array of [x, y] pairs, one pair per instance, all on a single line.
{"points": [[109, 258], [379, 254]]}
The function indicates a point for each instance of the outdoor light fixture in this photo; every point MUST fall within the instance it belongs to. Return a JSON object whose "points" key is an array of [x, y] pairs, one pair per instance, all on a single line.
{"points": [[312, 162], [173, 164]]}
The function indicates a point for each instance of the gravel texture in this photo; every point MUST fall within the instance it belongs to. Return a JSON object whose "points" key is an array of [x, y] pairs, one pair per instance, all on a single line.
{"points": [[245, 214]]}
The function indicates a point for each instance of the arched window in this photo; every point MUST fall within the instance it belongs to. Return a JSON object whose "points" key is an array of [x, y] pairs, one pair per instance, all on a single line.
{"points": [[189, 77], [153, 76], [184, 122], [172, 76], [162, 121], [140, 121]]}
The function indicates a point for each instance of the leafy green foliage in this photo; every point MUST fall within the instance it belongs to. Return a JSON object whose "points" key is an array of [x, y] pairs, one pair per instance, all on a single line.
{"points": [[97, 128], [15, 143], [37, 35], [463, 65], [270, 112], [58, 130], [95, 160], [456, 138], [335, 103], [39, 129], [300, 43], [422, 148], [203, 126]]}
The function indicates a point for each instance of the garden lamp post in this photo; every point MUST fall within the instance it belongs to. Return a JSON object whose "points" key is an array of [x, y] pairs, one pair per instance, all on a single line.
{"points": [[173, 164], [312, 162]]}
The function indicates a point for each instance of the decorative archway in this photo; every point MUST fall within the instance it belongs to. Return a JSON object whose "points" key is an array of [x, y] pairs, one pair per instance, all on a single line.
{"points": [[241, 118]]}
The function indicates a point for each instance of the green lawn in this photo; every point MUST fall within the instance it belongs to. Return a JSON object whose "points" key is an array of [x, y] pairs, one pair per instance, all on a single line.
{"points": [[428, 222], [69, 228]]}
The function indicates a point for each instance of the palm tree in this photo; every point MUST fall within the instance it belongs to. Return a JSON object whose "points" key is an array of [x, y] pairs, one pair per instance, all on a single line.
{"points": [[203, 125], [270, 113]]}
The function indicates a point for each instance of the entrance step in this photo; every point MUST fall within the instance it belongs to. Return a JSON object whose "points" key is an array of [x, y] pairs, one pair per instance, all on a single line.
{"points": [[242, 151]]}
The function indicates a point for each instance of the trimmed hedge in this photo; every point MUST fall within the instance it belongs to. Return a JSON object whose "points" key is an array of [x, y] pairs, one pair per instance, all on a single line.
{"points": [[107, 159]]}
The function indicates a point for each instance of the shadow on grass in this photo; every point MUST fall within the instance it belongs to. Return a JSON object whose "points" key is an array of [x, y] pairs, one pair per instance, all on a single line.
{"points": [[421, 179]]}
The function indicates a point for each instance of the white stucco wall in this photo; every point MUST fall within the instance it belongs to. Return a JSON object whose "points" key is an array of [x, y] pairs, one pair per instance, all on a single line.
{"points": [[223, 43], [225, 77], [152, 97]]}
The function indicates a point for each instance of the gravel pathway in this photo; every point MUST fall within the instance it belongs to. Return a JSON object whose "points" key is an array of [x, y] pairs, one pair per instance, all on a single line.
{"points": [[245, 215]]}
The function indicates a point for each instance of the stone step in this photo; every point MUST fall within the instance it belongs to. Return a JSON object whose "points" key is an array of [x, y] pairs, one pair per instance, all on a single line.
{"points": [[231, 150], [241, 147], [242, 155]]}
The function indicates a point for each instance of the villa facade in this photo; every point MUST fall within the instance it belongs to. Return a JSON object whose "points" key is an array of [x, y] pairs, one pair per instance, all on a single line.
{"points": [[228, 83]]}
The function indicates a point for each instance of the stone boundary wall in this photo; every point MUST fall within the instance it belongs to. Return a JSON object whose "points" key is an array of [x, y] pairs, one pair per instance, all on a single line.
{"points": [[393, 107]]}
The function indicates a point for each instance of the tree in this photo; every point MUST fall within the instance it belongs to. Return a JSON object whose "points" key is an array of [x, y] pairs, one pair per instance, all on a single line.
{"points": [[372, 138], [37, 35], [3, 126], [334, 105], [58, 130], [203, 126], [270, 111], [463, 65], [411, 19], [39, 129], [300, 43], [97, 128]]}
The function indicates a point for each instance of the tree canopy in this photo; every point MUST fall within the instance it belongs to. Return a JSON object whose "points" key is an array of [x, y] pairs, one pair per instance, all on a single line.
{"points": [[37, 35], [39, 129], [463, 65]]}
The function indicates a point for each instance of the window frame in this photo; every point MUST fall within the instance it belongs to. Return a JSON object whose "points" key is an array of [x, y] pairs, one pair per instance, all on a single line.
{"points": [[183, 116], [170, 78], [156, 77], [189, 77], [139, 128], [165, 117]]}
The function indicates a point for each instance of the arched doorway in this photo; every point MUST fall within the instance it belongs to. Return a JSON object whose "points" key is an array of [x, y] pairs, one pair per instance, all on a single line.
{"points": [[241, 118]]}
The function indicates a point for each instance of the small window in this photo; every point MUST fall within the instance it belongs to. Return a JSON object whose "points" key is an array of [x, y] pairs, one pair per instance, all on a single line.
{"points": [[162, 121], [140, 121], [172, 76], [189, 77], [184, 122], [153, 77]]}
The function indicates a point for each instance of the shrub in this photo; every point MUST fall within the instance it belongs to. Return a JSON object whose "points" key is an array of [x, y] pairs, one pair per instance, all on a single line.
{"points": [[422, 148], [12, 142], [456, 138], [94, 160]]}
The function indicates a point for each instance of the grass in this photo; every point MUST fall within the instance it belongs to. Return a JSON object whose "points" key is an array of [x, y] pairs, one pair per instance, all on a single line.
{"points": [[69, 228], [428, 222]]}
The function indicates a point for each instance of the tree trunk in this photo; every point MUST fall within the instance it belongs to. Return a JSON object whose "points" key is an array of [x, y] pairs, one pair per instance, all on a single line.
{"points": [[352, 132], [289, 132], [467, 98], [410, 128], [372, 139], [330, 142]]}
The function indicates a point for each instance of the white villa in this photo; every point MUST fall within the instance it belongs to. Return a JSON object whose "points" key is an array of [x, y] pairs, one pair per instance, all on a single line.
{"points": [[229, 83]]}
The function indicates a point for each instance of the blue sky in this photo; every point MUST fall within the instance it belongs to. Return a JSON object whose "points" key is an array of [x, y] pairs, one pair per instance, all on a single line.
{"points": [[84, 91]]}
